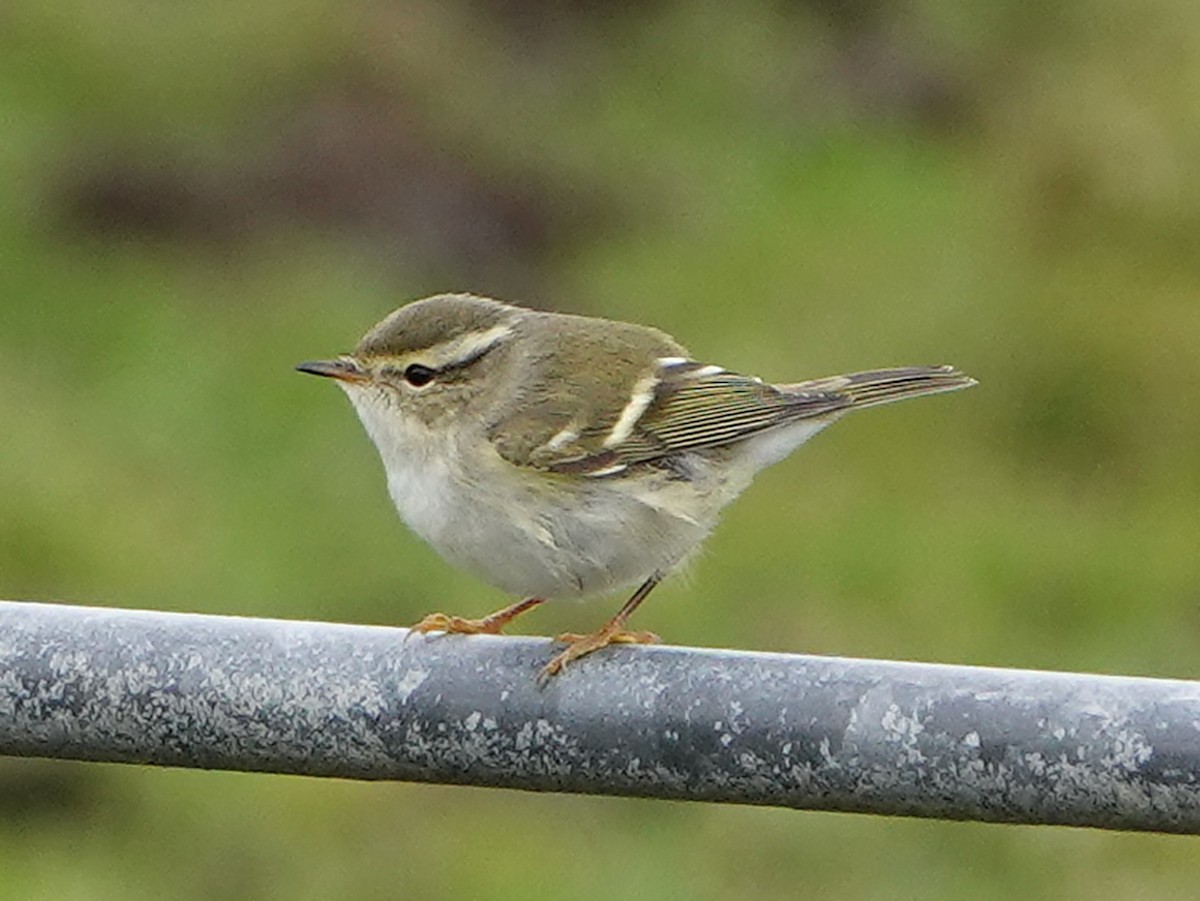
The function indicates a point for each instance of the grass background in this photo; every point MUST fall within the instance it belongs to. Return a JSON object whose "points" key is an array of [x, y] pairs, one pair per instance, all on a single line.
{"points": [[195, 198]]}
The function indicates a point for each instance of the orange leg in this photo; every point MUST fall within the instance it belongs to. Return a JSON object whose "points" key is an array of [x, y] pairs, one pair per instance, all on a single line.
{"points": [[612, 632], [492, 624]]}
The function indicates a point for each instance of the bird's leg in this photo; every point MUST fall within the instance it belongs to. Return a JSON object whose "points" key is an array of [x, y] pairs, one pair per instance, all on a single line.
{"points": [[612, 632], [492, 623]]}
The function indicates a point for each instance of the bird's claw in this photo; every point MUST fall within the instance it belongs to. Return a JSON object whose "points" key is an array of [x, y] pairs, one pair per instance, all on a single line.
{"points": [[454, 625], [580, 645]]}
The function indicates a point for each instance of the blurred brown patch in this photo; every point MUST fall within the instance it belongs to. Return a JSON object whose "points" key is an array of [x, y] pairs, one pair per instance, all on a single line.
{"points": [[32, 790], [355, 160], [358, 157]]}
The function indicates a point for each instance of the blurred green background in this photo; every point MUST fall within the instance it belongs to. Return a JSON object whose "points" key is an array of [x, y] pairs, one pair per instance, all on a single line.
{"points": [[197, 196]]}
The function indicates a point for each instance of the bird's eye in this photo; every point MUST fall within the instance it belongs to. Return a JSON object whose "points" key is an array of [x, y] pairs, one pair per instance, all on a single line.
{"points": [[419, 376]]}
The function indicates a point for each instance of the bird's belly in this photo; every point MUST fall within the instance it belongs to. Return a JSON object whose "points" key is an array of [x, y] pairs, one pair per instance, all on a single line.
{"points": [[537, 536]]}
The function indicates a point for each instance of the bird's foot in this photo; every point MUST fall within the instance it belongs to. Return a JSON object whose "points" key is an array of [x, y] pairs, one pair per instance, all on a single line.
{"points": [[457, 625], [493, 624], [581, 645]]}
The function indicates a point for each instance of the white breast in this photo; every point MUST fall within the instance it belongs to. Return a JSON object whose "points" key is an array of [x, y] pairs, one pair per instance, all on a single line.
{"points": [[526, 532]]}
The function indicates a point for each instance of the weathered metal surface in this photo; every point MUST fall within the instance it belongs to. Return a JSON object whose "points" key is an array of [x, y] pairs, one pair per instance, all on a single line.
{"points": [[790, 731]]}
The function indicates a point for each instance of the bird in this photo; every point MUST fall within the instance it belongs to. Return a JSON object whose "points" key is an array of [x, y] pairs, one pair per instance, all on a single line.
{"points": [[558, 456]]}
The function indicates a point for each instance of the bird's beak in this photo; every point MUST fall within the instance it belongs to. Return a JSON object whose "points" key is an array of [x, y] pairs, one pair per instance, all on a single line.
{"points": [[342, 369]]}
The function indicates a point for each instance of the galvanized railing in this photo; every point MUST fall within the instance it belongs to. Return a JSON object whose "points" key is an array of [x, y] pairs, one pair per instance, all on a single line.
{"points": [[666, 722]]}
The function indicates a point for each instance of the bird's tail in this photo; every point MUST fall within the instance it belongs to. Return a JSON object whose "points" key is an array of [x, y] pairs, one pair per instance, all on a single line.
{"points": [[883, 386]]}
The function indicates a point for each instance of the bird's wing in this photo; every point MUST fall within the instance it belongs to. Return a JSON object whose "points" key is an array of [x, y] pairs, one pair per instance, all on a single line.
{"points": [[679, 405]]}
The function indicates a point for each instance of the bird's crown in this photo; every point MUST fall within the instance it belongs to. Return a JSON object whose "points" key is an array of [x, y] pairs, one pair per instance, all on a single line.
{"points": [[441, 320]]}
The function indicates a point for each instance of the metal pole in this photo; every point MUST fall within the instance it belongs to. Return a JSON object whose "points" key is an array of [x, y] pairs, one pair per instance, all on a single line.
{"points": [[361, 702]]}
